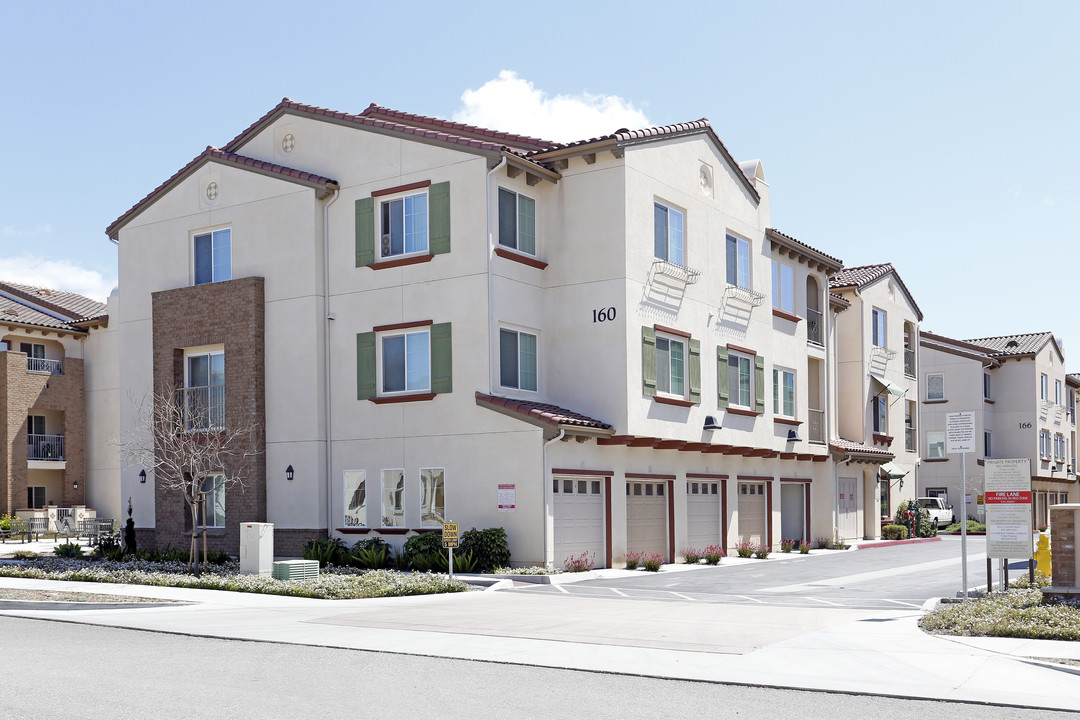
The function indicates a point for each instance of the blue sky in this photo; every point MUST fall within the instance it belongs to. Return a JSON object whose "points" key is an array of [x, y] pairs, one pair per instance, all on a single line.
{"points": [[940, 136]]}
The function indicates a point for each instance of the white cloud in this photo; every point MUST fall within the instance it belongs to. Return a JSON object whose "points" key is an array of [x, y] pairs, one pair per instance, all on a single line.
{"points": [[12, 231], [513, 104], [56, 274]]}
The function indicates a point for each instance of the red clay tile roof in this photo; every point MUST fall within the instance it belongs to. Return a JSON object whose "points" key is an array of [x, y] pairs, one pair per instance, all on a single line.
{"points": [[829, 259], [64, 308], [860, 277], [1007, 345], [849, 447], [552, 415], [228, 158], [523, 143]]}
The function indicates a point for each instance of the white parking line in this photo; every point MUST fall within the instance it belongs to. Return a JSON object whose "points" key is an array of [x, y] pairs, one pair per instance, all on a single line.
{"points": [[684, 597], [875, 574], [618, 592], [744, 597], [827, 602], [561, 589], [900, 602]]}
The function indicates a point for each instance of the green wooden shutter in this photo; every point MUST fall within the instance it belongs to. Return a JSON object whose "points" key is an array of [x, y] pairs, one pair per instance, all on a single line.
{"points": [[439, 218], [721, 377], [648, 360], [695, 370], [759, 383], [365, 366], [365, 232], [441, 359]]}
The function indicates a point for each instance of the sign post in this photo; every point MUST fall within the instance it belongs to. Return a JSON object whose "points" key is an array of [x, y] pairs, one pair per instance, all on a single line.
{"points": [[1008, 510], [960, 438], [450, 541]]}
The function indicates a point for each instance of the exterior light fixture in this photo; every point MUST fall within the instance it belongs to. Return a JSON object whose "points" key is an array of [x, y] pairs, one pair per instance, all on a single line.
{"points": [[75, 484], [142, 476], [710, 423], [793, 436], [289, 473]]}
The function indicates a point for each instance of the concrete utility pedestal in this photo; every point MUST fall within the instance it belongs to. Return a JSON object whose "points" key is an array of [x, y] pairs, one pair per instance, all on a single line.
{"points": [[256, 548], [1064, 520]]}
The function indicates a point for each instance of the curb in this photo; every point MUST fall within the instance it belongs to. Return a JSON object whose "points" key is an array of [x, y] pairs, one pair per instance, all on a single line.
{"points": [[890, 543]]}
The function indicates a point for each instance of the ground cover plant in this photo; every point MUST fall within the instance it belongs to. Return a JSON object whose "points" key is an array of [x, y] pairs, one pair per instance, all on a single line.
{"points": [[713, 553], [1019, 613], [692, 556], [584, 562], [652, 562], [532, 570], [633, 559], [972, 526]]}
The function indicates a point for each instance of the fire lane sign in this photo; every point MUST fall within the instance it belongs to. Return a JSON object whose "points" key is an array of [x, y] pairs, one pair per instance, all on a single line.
{"points": [[1008, 508]]}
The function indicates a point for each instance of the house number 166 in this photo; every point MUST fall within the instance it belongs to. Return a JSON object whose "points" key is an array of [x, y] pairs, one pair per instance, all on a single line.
{"points": [[603, 314]]}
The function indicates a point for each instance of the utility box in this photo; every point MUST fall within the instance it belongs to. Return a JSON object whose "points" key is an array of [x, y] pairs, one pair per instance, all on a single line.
{"points": [[256, 548]]}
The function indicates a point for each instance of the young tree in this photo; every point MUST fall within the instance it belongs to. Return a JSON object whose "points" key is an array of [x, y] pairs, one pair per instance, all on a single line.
{"points": [[186, 444]]}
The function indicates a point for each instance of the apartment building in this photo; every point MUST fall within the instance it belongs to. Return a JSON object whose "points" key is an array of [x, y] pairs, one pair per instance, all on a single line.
{"points": [[45, 339], [1024, 404], [601, 346], [877, 402]]}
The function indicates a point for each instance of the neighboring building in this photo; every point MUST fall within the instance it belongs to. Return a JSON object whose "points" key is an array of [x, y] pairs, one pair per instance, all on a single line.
{"points": [[877, 389], [1024, 405], [45, 341]]}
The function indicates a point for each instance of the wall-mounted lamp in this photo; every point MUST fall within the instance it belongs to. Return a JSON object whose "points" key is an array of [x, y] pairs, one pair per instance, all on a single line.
{"points": [[289, 473], [75, 484], [710, 423], [793, 435], [142, 476]]}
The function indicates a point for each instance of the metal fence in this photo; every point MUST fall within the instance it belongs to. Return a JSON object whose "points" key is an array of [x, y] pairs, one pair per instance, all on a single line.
{"points": [[45, 447]]}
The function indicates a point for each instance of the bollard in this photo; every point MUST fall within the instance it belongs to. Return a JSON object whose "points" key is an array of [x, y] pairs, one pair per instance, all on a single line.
{"points": [[1042, 555]]}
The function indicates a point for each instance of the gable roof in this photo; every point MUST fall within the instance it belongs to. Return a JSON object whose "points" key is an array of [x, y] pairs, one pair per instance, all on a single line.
{"points": [[865, 275], [1012, 345], [544, 414], [522, 143], [57, 309], [960, 348], [322, 185], [828, 262]]}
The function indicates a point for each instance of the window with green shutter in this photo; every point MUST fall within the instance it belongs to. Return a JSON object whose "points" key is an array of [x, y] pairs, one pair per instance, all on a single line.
{"points": [[439, 208], [441, 359], [721, 377], [648, 360], [365, 366], [695, 370], [365, 232], [759, 383]]}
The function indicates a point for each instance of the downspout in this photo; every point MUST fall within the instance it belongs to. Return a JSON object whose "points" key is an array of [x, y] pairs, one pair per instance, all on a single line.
{"points": [[326, 362], [491, 292], [548, 497]]}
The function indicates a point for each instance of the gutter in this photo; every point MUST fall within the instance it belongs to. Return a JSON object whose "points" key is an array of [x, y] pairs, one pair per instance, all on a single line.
{"points": [[328, 316], [491, 281], [548, 497]]}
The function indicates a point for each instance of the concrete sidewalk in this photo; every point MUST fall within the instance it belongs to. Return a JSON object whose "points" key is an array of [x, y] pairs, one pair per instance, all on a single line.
{"points": [[858, 651]]}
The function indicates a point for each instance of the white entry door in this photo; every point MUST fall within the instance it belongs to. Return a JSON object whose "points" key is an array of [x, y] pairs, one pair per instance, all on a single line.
{"points": [[646, 517], [579, 519], [848, 508], [753, 507], [793, 512], [702, 514]]}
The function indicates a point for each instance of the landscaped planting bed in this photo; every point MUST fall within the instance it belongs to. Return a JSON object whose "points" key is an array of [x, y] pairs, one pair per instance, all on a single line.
{"points": [[1019, 613]]}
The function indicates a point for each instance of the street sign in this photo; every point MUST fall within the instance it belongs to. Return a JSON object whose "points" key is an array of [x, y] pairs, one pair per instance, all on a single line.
{"points": [[960, 432], [450, 535], [1008, 508]]}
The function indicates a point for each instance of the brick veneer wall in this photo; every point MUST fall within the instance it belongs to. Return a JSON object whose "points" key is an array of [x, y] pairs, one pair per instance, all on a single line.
{"points": [[21, 392], [231, 314], [1063, 545]]}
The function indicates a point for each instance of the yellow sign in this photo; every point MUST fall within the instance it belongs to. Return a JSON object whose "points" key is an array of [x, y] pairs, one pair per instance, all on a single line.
{"points": [[450, 535], [980, 498]]}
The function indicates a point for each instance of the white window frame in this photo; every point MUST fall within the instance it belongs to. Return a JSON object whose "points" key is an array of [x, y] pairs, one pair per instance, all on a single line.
{"points": [[988, 444], [930, 375], [1044, 444], [517, 340], [398, 503], [664, 372], [213, 410], [879, 324], [360, 517], [879, 405], [384, 250], [783, 287], [935, 444], [735, 375], [986, 386], [742, 272], [670, 232], [216, 235], [209, 515], [1059, 447], [33, 346], [428, 516], [1057, 392], [519, 232], [778, 400], [380, 369], [1044, 386]]}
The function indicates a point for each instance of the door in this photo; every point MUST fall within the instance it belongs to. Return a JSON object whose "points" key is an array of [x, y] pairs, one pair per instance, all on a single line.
{"points": [[703, 514], [848, 507], [793, 511], [753, 522], [579, 519], [646, 518]]}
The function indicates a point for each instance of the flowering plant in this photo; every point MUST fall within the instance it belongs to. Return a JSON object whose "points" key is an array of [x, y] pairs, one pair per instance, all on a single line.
{"points": [[713, 553], [584, 562], [652, 562], [633, 559]]}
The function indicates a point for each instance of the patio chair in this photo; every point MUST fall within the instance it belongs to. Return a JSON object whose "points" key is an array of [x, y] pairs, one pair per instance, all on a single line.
{"points": [[65, 527], [7, 532], [37, 527], [88, 528]]}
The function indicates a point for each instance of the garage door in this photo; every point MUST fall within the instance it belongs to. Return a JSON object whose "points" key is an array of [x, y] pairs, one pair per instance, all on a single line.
{"points": [[703, 514], [793, 511], [579, 519], [646, 517], [752, 509]]}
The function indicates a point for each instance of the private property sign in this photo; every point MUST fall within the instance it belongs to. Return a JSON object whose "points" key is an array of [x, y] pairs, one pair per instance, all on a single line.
{"points": [[1008, 508]]}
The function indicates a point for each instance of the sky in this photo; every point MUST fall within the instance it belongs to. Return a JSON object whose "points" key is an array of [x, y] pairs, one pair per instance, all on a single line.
{"points": [[939, 136]]}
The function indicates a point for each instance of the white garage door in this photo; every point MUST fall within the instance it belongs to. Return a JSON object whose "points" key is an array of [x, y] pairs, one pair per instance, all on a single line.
{"points": [[848, 507], [702, 514], [793, 511], [752, 510], [646, 517], [579, 519]]}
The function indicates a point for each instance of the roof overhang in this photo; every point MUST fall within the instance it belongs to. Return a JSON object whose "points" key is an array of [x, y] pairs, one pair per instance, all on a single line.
{"points": [[889, 387], [892, 471]]}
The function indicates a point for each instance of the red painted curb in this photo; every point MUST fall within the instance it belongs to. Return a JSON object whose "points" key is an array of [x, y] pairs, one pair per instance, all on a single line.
{"points": [[890, 543]]}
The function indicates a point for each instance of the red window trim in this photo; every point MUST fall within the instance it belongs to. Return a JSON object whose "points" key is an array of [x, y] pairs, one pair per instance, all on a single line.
{"points": [[519, 258], [585, 473], [739, 348], [403, 326], [648, 476], [671, 331], [673, 401], [787, 421], [411, 260], [786, 315], [707, 476], [797, 480], [401, 188], [418, 397], [740, 411]]}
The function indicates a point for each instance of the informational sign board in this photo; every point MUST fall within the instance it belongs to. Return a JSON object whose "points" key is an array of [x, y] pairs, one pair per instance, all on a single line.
{"points": [[1008, 508], [960, 432], [507, 497], [450, 535]]}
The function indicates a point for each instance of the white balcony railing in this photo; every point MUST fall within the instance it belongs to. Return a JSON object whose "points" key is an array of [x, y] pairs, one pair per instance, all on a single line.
{"points": [[203, 408], [41, 365], [45, 447], [909, 362], [815, 332], [817, 427]]}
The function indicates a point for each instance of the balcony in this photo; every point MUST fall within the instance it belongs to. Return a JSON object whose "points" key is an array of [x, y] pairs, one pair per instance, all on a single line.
{"points": [[909, 439], [816, 427], [909, 362], [815, 331], [203, 408], [41, 365], [45, 447]]}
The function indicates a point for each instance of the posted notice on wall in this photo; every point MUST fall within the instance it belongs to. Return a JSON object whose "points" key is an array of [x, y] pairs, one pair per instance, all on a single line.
{"points": [[507, 497], [1007, 500]]}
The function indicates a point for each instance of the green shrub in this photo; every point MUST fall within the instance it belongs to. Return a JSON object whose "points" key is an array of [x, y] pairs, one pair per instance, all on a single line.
{"points": [[972, 526], [429, 543], [761, 551], [584, 562], [652, 562], [745, 549], [328, 551], [894, 532], [692, 556], [713, 553], [921, 522], [130, 545], [490, 547], [68, 550], [788, 545], [371, 553], [633, 559]]}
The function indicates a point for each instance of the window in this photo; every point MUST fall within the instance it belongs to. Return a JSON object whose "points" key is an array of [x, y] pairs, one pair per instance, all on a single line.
{"points": [[783, 382], [1057, 392], [355, 486], [35, 359], [879, 328], [883, 492], [1044, 443], [668, 233], [404, 226], [1043, 385], [740, 379], [986, 386], [517, 360], [935, 386], [517, 221], [432, 497], [33, 350], [35, 497], [406, 362], [880, 407], [212, 501], [986, 445], [203, 394], [738, 262], [783, 287], [213, 256], [35, 424], [935, 443], [1059, 447], [670, 366], [393, 498]]}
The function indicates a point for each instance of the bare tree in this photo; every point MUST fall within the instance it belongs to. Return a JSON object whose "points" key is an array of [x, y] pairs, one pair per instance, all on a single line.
{"points": [[183, 439]]}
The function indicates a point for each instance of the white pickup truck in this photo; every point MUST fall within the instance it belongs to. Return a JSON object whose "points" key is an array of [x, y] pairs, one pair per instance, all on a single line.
{"points": [[940, 514]]}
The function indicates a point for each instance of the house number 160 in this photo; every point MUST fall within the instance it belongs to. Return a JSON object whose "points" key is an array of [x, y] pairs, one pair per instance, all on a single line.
{"points": [[603, 315]]}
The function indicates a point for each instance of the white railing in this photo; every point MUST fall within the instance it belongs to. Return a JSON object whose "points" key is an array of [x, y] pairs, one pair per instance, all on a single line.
{"points": [[909, 362], [203, 408], [814, 327], [817, 427], [45, 447], [909, 439], [41, 365]]}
